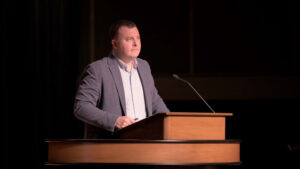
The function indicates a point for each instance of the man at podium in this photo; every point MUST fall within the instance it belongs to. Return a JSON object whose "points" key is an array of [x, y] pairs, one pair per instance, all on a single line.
{"points": [[119, 89]]}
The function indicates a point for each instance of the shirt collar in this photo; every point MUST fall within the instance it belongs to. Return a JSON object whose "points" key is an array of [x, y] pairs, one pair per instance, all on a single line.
{"points": [[123, 65]]}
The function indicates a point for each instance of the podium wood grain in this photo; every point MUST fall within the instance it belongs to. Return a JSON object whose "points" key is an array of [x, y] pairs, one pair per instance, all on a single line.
{"points": [[178, 126], [148, 151]]}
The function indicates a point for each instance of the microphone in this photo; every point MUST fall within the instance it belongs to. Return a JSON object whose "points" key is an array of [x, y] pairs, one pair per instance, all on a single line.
{"points": [[185, 81]]}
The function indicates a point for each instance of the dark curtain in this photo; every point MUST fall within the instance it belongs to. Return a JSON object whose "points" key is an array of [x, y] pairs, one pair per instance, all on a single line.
{"points": [[39, 70]]}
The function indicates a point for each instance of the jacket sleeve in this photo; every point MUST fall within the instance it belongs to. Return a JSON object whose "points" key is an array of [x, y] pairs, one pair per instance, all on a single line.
{"points": [[85, 104], [158, 104]]}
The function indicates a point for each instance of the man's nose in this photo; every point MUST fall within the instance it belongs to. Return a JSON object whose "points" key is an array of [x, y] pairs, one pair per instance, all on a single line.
{"points": [[134, 42]]}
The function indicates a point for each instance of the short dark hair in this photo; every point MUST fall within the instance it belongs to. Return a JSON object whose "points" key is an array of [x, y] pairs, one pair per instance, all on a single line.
{"points": [[114, 28]]}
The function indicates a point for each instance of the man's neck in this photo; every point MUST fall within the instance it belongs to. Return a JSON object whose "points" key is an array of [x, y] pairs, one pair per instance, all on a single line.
{"points": [[127, 61]]}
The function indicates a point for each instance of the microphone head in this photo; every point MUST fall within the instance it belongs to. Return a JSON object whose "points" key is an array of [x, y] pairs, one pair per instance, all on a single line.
{"points": [[176, 76]]}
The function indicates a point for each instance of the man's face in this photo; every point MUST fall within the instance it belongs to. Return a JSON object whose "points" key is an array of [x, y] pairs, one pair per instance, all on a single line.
{"points": [[127, 44]]}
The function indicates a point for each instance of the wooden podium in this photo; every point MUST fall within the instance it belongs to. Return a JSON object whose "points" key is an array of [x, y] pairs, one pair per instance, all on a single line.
{"points": [[178, 126], [164, 139]]}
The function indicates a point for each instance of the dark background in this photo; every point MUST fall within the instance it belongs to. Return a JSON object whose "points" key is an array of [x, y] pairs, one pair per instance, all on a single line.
{"points": [[243, 56]]}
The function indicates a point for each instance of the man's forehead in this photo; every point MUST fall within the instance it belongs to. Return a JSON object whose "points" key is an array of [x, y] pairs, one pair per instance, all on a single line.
{"points": [[124, 30]]}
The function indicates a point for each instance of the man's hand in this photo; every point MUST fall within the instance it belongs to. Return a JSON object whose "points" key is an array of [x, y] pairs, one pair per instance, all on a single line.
{"points": [[124, 121]]}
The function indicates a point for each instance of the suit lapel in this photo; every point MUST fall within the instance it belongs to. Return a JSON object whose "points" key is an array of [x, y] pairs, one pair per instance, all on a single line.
{"points": [[114, 69], [143, 77]]}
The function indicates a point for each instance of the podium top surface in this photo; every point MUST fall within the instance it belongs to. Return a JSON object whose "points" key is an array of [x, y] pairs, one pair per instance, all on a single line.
{"points": [[227, 141], [193, 114]]}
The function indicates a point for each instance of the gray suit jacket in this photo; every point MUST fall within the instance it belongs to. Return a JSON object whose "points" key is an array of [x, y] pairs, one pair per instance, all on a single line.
{"points": [[100, 99]]}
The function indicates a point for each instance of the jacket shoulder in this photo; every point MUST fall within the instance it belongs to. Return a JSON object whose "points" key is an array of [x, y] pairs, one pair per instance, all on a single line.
{"points": [[143, 62], [99, 63]]}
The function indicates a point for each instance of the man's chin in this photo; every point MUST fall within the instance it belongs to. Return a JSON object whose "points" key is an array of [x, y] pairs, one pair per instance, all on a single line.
{"points": [[133, 56]]}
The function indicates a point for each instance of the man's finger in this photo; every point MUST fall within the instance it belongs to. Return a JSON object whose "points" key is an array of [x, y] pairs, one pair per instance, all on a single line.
{"points": [[130, 120]]}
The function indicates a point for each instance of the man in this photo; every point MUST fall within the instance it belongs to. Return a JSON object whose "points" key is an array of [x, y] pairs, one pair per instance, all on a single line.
{"points": [[119, 89]]}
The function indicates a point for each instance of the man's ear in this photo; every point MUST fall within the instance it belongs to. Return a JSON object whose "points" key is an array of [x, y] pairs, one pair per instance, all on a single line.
{"points": [[114, 43]]}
